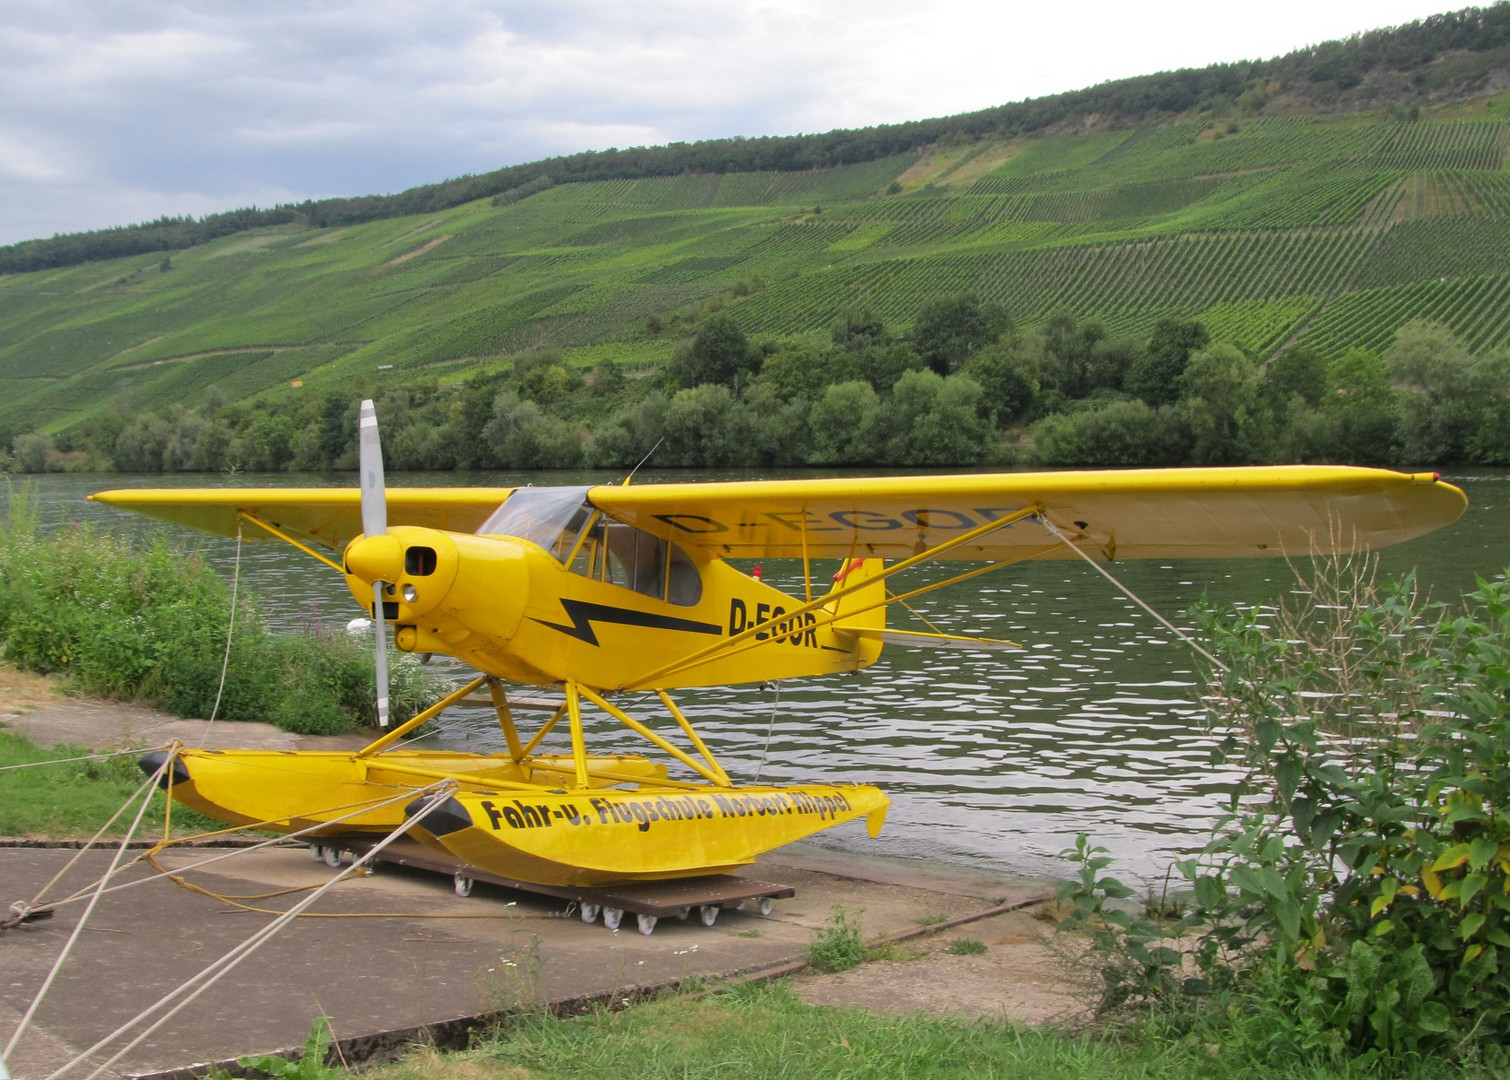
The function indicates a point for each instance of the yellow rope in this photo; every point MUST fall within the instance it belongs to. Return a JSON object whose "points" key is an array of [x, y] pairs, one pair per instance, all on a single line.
{"points": [[234, 900]]}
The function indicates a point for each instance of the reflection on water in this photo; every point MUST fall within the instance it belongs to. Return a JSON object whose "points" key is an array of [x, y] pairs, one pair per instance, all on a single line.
{"points": [[995, 758]]}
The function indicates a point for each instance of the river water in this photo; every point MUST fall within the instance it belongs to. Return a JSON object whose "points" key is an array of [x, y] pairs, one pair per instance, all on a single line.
{"points": [[991, 759]]}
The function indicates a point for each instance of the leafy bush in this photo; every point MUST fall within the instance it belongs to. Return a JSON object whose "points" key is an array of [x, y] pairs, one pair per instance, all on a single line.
{"points": [[1355, 900], [148, 621], [1119, 433], [1134, 956]]}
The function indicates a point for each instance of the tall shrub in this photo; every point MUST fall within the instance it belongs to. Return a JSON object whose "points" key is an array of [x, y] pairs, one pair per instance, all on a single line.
{"points": [[149, 621], [1355, 899]]}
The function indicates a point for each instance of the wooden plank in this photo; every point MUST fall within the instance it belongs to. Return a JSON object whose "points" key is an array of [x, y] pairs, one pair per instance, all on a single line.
{"points": [[662, 899]]}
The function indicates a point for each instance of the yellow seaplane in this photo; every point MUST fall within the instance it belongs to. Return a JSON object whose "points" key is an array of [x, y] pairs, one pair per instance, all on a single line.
{"points": [[595, 591]]}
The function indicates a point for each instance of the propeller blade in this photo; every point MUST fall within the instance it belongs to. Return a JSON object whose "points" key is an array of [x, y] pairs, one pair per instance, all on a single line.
{"points": [[375, 523], [380, 627], [370, 461]]}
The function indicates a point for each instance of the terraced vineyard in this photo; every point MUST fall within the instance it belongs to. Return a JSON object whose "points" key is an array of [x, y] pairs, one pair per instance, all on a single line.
{"points": [[1330, 231]]}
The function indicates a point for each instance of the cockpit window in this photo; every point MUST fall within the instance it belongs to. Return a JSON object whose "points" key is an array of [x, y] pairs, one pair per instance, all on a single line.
{"points": [[549, 516], [611, 551]]}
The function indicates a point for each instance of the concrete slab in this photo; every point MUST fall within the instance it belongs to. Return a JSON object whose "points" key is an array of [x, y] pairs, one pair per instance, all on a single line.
{"points": [[114, 725], [397, 950]]}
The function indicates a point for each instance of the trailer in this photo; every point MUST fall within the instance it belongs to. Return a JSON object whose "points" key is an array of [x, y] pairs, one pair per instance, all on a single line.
{"points": [[647, 901]]}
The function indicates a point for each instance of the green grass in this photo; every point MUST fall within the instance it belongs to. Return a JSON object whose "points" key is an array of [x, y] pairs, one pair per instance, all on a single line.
{"points": [[766, 1031], [1124, 227], [75, 798], [965, 947]]}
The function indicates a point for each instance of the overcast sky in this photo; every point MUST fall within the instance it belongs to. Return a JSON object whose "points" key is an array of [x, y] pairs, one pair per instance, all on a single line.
{"points": [[117, 111]]}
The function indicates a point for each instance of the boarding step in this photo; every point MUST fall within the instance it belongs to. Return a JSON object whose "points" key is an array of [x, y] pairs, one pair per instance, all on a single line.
{"points": [[522, 704]]}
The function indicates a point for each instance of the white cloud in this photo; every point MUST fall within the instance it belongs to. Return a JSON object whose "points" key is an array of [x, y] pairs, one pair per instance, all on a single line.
{"points": [[33, 157]]}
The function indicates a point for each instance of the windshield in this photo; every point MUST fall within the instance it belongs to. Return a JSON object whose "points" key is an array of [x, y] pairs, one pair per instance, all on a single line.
{"points": [[548, 516]]}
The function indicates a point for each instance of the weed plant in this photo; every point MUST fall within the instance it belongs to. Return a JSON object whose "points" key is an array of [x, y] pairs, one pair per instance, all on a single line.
{"points": [[512, 983], [1353, 906], [965, 947], [148, 621], [310, 1064], [837, 946]]}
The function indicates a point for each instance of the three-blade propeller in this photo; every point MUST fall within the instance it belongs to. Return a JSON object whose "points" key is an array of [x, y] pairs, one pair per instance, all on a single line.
{"points": [[375, 523]]}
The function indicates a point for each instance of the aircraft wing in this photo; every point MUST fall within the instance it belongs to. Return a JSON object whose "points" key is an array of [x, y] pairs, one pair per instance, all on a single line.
{"points": [[325, 516], [1133, 514]]}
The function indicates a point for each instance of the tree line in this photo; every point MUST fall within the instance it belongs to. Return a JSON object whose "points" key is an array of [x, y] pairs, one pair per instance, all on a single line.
{"points": [[1326, 74], [962, 388]]}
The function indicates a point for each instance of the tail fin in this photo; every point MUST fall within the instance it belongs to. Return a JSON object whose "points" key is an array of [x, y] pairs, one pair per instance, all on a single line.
{"points": [[861, 608]]}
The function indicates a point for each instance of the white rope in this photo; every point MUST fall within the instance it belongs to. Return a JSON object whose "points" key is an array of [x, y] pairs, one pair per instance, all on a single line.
{"points": [[1186, 638], [79, 854], [230, 625], [215, 971], [68, 760], [361, 808], [84, 918]]}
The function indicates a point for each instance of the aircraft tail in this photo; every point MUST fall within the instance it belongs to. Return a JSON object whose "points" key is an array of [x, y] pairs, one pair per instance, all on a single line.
{"points": [[861, 609]]}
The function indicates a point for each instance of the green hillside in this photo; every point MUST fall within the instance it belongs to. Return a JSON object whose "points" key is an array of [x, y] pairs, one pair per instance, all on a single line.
{"points": [[1327, 231]]}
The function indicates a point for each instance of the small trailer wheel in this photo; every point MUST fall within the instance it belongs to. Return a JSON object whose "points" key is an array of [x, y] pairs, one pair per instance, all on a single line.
{"points": [[316, 852], [590, 912], [765, 905], [682, 914], [463, 884], [332, 857], [612, 916], [708, 913], [647, 924]]}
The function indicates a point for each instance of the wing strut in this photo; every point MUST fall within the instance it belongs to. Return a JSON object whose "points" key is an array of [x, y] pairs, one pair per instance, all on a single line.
{"points": [[281, 535], [1058, 534]]}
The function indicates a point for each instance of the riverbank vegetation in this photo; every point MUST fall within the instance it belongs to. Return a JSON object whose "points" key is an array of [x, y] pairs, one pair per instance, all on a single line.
{"points": [[961, 389], [766, 1031], [1353, 907], [148, 621]]}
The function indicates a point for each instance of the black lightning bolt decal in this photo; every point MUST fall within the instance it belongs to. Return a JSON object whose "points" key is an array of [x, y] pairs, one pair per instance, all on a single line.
{"points": [[584, 614]]}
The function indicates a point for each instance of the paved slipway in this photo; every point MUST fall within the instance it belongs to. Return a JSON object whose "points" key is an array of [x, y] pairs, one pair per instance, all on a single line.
{"points": [[423, 964]]}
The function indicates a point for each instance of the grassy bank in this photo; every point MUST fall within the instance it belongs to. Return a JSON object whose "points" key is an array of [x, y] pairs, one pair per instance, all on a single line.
{"points": [[74, 797], [149, 622], [767, 1031]]}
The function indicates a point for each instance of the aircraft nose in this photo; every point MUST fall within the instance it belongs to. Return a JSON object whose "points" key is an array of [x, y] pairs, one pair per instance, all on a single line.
{"points": [[376, 558]]}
